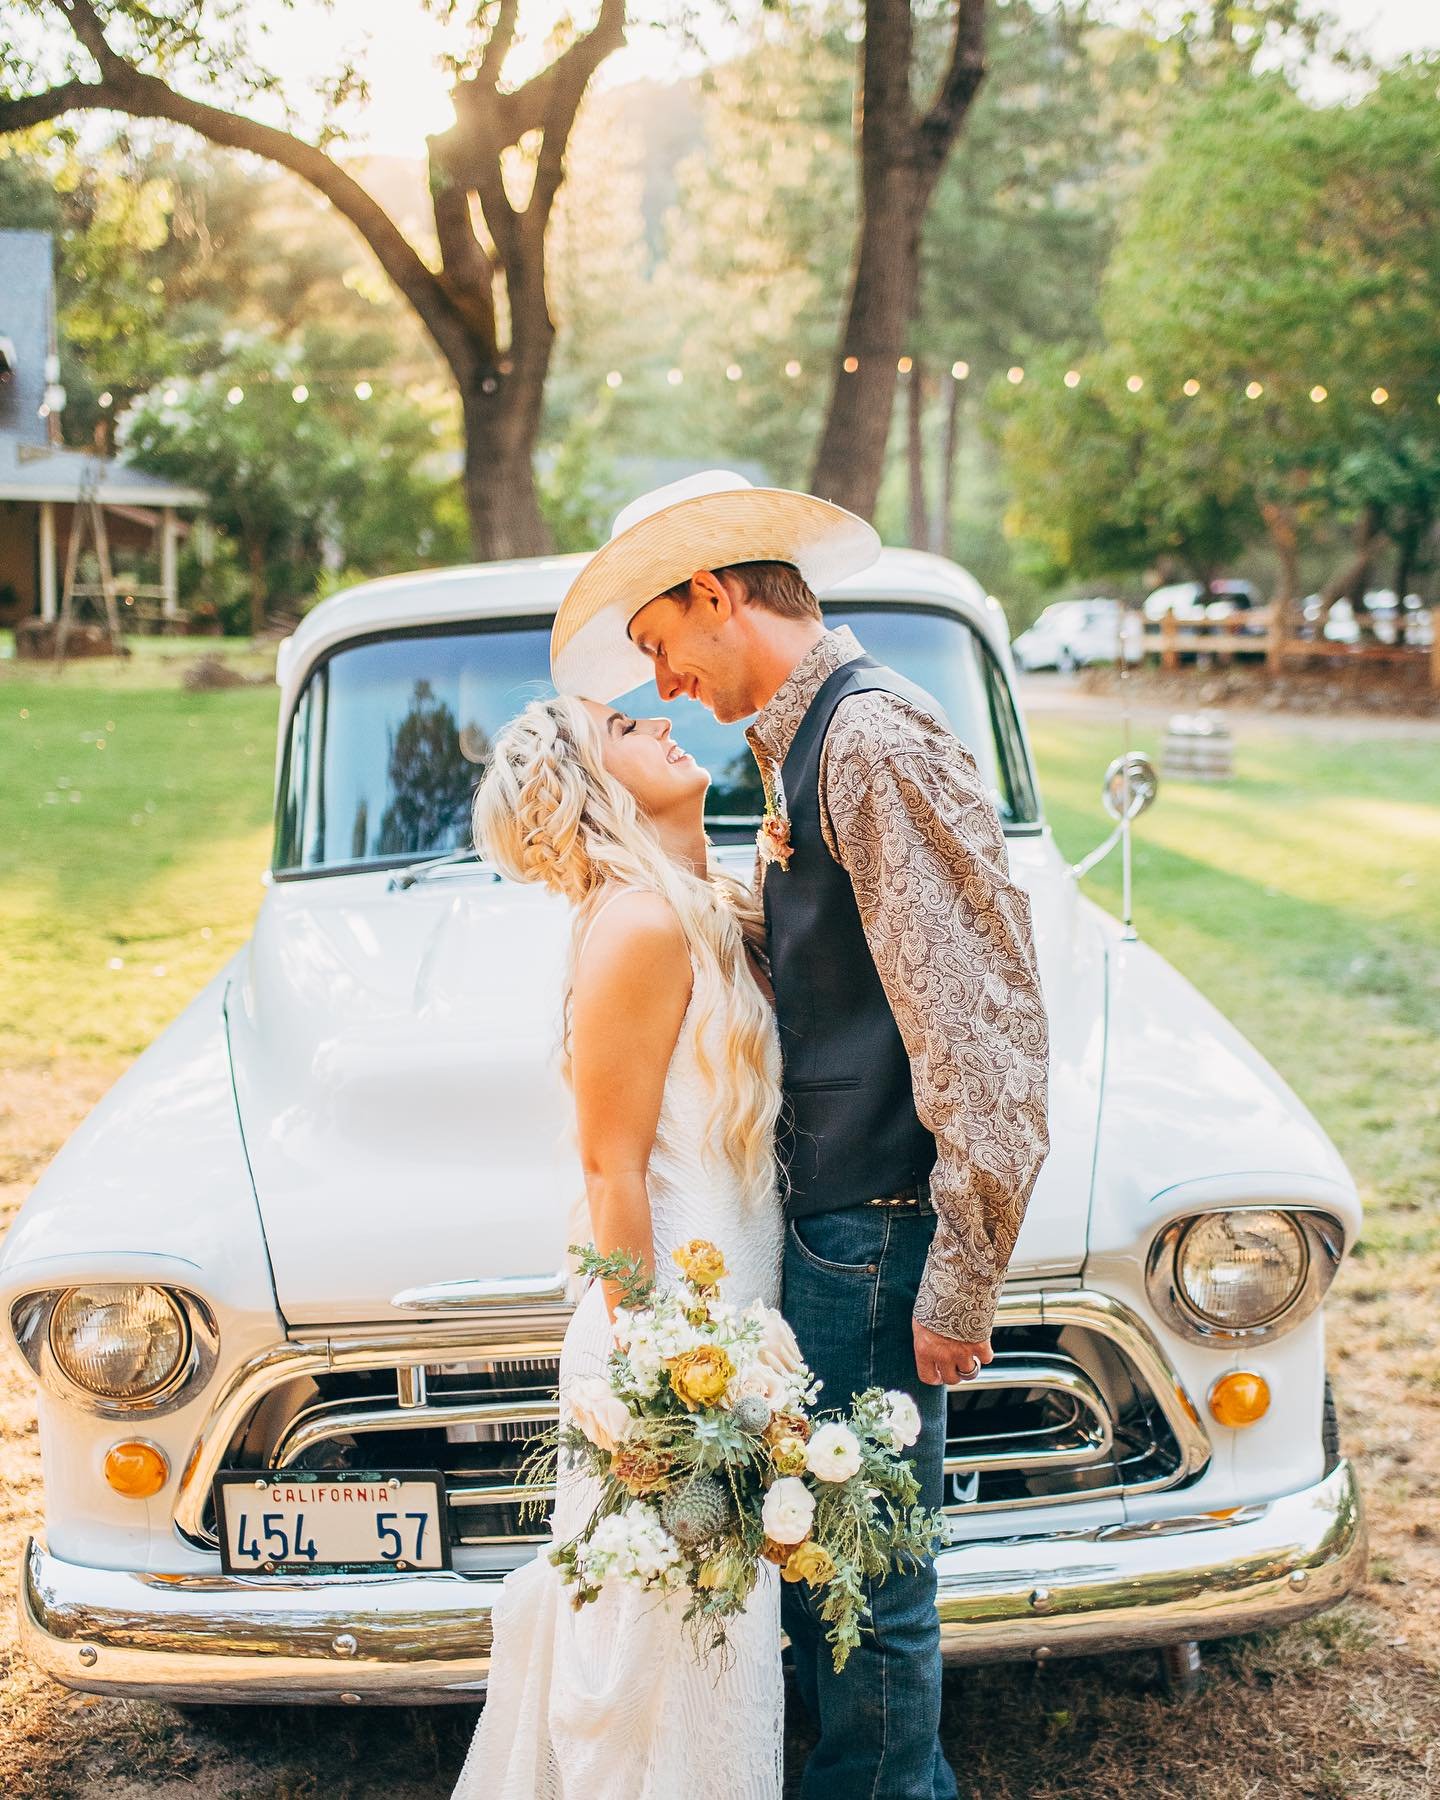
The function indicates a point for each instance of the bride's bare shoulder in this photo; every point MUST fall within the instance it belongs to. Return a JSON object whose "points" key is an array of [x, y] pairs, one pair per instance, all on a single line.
{"points": [[633, 941]]}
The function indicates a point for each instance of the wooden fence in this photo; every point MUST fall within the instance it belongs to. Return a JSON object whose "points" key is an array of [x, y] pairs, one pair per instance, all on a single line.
{"points": [[1255, 637]]}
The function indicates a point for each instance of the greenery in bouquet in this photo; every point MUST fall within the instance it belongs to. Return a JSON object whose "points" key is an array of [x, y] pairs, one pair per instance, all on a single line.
{"points": [[710, 1460]]}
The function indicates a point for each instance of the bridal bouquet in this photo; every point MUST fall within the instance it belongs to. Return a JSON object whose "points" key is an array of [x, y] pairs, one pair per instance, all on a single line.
{"points": [[709, 1458]]}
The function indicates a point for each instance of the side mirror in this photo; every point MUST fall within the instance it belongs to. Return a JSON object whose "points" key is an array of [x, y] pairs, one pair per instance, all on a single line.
{"points": [[1130, 787]]}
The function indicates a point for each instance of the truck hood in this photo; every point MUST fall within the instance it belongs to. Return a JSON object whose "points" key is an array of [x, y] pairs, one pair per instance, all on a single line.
{"points": [[396, 1067]]}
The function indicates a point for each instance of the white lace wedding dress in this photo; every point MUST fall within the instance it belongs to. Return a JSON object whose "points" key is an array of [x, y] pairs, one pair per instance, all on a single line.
{"points": [[610, 1702]]}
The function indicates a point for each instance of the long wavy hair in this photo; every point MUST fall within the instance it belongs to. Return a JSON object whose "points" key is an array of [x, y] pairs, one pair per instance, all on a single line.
{"points": [[548, 810]]}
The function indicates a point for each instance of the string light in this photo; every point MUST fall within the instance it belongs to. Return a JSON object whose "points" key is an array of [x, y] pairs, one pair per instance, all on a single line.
{"points": [[364, 388]]}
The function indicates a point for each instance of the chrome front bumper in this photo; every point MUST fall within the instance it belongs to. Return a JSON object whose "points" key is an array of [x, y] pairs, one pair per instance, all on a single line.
{"points": [[403, 1640]]}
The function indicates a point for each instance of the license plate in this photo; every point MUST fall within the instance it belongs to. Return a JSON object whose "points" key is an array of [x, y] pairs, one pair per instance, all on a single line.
{"points": [[326, 1520]]}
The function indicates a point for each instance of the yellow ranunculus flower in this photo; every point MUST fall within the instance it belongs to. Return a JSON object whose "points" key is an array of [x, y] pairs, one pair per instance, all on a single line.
{"points": [[809, 1562], [700, 1377], [700, 1261], [789, 1456]]}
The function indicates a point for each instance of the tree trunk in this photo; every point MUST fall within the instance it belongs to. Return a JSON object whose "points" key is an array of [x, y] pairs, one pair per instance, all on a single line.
{"points": [[1281, 529], [499, 477], [901, 158], [1353, 577], [255, 558], [851, 459], [942, 538], [919, 506]]}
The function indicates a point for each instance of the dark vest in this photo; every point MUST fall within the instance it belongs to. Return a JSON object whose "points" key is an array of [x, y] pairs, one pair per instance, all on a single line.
{"points": [[849, 1131]]}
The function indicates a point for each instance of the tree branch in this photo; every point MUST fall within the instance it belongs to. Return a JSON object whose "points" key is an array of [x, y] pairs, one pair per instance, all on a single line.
{"points": [[468, 276], [84, 21], [961, 83], [126, 89], [35, 109], [565, 83], [498, 47]]}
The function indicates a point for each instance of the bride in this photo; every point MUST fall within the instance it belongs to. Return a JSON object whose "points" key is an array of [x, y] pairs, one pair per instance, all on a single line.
{"points": [[673, 1059]]}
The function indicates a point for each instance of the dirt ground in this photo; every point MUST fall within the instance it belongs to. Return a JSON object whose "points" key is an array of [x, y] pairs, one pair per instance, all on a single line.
{"points": [[1344, 1707]]}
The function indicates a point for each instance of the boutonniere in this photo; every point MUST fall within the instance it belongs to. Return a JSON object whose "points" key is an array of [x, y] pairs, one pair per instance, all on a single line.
{"points": [[772, 840]]}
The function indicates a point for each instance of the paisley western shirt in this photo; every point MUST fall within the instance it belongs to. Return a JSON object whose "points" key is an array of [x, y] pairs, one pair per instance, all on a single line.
{"points": [[903, 808]]}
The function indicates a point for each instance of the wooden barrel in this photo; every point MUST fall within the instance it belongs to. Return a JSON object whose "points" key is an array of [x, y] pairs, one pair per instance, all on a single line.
{"points": [[1198, 747]]}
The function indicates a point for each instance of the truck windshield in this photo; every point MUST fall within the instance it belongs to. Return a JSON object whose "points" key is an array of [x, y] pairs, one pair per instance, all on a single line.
{"points": [[389, 736]]}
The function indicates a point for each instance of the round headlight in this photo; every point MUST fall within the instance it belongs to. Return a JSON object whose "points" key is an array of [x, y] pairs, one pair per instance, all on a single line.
{"points": [[1241, 1269], [121, 1342]]}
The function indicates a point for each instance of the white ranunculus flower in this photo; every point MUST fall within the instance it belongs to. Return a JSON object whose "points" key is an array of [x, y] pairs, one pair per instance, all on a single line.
{"points": [[761, 1379], [833, 1454], [778, 1345], [902, 1415], [788, 1511], [600, 1414]]}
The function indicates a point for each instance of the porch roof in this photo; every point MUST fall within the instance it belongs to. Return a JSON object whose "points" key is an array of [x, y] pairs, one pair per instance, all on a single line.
{"points": [[36, 472]]}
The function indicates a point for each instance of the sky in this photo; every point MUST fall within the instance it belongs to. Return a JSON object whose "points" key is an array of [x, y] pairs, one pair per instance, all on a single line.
{"points": [[409, 91]]}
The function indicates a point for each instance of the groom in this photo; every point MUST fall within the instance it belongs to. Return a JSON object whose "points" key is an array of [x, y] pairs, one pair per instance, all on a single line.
{"points": [[911, 1021]]}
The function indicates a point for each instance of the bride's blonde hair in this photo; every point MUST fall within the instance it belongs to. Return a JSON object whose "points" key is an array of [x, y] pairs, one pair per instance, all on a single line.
{"points": [[548, 810]]}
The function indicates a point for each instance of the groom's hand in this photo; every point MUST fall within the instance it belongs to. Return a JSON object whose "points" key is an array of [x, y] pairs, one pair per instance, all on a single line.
{"points": [[942, 1361]]}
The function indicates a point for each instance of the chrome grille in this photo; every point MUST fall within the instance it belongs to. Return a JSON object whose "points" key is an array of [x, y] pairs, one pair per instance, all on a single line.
{"points": [[1079, 1402]]}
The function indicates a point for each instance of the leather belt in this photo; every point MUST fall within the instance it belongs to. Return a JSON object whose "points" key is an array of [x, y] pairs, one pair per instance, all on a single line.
{"points": [[916, 1195]]}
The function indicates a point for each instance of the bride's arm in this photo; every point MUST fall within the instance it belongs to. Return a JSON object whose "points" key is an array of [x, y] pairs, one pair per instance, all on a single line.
{"points": [[631, 988]]}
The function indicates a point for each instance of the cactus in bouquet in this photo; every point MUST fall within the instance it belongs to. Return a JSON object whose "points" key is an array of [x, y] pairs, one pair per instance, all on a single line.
{"points": [[710, 1461]]}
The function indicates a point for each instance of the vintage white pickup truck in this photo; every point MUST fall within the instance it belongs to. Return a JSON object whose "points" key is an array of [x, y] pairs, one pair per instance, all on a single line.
{"points": [[292, 1294]]}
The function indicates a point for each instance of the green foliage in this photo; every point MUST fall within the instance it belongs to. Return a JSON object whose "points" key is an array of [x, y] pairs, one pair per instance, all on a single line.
{"points": [[1277, 244], [332, 477]]}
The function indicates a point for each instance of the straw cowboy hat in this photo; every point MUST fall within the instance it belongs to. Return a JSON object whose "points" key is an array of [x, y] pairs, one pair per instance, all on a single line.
{"points": [[706, 521]]}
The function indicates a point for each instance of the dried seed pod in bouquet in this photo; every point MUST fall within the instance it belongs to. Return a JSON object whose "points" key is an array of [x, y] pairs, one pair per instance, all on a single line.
{"points": [[697, 1512]]}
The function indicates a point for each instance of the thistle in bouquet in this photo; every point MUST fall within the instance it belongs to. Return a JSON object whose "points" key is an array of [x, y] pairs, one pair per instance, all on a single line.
{"points": [[711, 1459]]}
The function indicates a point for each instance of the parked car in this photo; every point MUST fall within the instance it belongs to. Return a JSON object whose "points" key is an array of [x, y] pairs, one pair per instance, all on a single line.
{"points": [[1392, 621], [1069, 635], [1194, 600], [292, 1295]]}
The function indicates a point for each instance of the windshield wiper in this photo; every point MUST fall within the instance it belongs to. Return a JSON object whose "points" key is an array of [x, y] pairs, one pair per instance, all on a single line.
{"points": [[422, 871]]}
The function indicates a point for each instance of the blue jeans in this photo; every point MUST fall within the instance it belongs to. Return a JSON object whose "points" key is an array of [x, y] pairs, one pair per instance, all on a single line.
{"points": [[850, 1284]]}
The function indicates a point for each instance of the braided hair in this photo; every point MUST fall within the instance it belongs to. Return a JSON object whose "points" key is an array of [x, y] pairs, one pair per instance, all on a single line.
{"points": [[547, 810]]}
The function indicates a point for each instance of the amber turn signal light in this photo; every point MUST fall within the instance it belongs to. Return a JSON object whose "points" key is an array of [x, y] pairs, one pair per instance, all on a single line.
{"points": [[1239, 1398], [136, 1469]]}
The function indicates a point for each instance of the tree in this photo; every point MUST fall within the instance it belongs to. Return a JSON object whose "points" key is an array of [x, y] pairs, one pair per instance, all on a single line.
{"points": [[1018, 233], [486, 306], [902, 154], [1277, 290], [299, 483]]}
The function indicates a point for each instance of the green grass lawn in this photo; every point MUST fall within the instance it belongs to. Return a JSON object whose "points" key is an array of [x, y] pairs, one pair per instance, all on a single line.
{"points": [[1301, 897], [134, 826]]}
